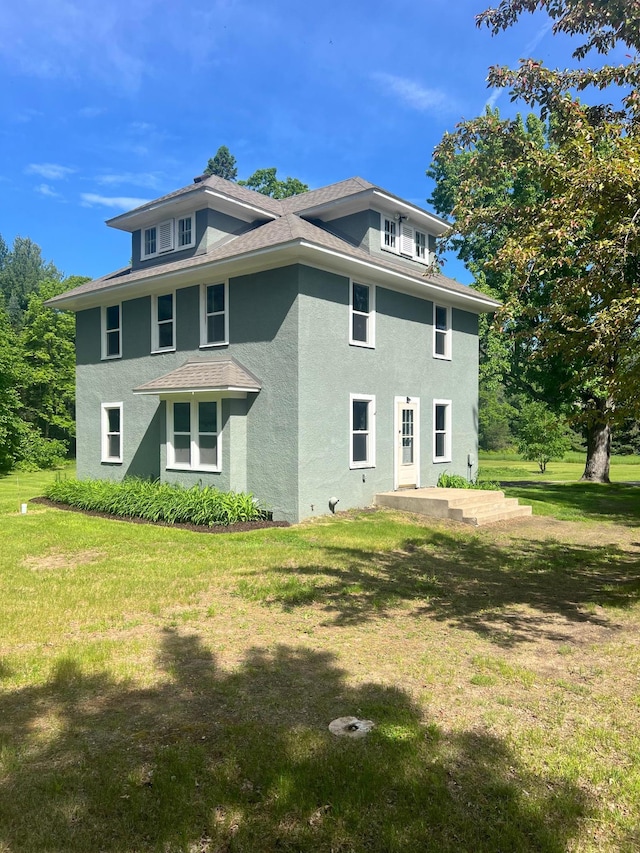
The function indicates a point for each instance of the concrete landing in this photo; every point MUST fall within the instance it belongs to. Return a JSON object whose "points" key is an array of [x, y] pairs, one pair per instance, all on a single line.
{"points": [[471, 506]]}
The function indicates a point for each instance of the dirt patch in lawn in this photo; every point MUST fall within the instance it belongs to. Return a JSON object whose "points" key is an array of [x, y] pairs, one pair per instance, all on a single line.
{"points": [[57, 559], [239, 527]]}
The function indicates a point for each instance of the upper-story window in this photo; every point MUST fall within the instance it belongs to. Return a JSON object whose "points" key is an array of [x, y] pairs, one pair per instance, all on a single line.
{"points": [[401, 237], [168, 236], [214, 315], [163, 322], [441, 331], [362, 315], [389, 235], [111, 331]]}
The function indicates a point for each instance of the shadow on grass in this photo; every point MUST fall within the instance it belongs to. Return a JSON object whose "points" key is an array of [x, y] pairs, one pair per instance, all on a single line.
{"points": [[522, 591], [242, 761], [617, 502]]}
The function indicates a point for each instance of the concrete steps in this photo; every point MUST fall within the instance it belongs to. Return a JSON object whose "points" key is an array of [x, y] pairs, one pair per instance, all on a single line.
{"points": [[470, 506]]}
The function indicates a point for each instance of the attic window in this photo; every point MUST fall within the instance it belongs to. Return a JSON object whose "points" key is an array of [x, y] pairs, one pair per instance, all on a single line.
{"points": [[167, 236], [402, 238]]}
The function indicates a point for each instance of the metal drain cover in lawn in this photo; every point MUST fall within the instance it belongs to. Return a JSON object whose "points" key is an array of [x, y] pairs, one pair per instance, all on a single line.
{"points": [[350, 727]]}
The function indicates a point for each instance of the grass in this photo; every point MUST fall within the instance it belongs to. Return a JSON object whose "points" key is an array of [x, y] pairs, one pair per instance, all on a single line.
{"points": [[560, 494], [163, 690]]}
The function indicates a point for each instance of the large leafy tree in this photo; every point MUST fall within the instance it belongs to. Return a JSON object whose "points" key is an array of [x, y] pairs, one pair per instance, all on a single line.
{"points": [[22, 268], [557, 218], [10, 373]]}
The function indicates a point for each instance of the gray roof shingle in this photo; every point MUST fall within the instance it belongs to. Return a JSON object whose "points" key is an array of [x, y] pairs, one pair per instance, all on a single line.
{"points": [[203, 374]]}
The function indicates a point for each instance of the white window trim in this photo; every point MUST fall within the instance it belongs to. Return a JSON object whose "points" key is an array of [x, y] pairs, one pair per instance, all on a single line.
{"points": [[398, 248], [155, 324], [447, 430], [103, 334], [174, 234], [104, 433], [370, 343], [204, 344], [193, 400], [447, 334], [370, 462], [190, 245]]}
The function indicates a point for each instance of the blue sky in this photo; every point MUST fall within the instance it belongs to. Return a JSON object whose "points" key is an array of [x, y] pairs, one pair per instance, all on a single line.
{"points": [[106, 105]]}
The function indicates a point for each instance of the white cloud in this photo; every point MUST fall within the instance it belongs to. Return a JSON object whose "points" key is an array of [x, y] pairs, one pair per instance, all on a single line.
{"points": [[119, 202], [91, 112], [50, 171], [414, 95], [135, 179], [45, 189]]}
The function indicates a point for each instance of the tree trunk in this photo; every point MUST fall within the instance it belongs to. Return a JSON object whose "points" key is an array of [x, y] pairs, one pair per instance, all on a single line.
{"points": [[596, 469]]}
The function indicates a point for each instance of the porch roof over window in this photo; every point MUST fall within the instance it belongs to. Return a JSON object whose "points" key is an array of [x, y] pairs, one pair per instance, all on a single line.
{"points": [[198, 375]]}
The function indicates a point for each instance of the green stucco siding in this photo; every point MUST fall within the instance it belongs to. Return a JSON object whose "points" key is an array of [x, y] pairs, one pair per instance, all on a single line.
{"points": [[400, 365]]}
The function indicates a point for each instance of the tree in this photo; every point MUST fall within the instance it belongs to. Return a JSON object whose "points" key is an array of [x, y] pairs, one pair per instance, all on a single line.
{"points": [[542, 435], [10, 372], [265, 181], [561, 218], [21, 270], [47, 340], [223, 164]]}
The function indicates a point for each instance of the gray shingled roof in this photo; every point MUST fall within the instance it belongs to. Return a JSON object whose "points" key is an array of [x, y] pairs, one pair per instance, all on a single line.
{"points": [[203, 374], [333, 192], [287, 229]]}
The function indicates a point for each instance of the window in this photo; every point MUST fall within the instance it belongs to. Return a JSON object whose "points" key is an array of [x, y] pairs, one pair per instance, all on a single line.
{"points": [[185, 232], [193, 435], [163, 322], [362, 428], [441, 332], [111, 432], [111, 332], [401, 237], [442, 430], [214, 323], [362, 315], [389, 234], [167, 236]]}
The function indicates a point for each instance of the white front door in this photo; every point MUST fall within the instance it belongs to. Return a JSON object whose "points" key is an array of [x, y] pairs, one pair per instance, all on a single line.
{"points": [[407, 443]]}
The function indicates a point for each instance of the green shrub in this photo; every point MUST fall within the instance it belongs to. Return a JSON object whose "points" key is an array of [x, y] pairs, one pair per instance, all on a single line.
{"points": [[36, 452], [456, 481], [154, 501]]}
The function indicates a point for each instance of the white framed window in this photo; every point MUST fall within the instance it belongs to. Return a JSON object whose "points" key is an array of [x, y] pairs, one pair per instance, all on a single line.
{"points": [[193, 435], [390, 234], [111, 432], [362, 431], [185, 232], [214, 314], [163, 322], [441, 331], [168, 236], [111, 321], [442, 430], [399, 236], [362, 314]]}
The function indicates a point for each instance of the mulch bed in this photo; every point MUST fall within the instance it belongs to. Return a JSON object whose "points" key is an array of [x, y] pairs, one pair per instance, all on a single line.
{"points": [[240, 527]]}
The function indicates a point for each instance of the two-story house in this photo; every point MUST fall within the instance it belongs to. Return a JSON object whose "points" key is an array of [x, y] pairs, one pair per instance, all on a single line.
{"points": [[299, 349]]}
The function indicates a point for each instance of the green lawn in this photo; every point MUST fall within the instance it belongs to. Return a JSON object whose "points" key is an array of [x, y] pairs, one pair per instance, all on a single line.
{"points": [[164, 690]]}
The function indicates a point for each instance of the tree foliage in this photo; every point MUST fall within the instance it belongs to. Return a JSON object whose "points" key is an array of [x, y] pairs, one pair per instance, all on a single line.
{"points": [[552, 221], [222, 164], [37, 360], [264, 181], [542, 435]]}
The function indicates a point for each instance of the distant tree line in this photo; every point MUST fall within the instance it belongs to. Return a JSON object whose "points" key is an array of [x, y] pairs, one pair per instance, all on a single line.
{"points": [[37, 360]]}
